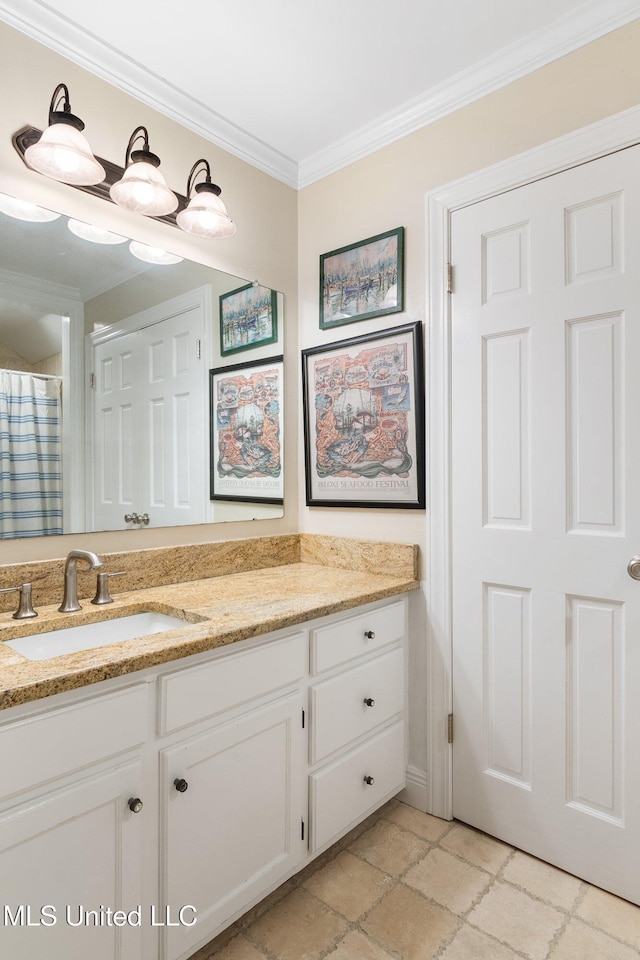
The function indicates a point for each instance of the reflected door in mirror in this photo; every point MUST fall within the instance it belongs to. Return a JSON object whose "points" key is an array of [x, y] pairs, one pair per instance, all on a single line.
{"points": [[150, 439]]}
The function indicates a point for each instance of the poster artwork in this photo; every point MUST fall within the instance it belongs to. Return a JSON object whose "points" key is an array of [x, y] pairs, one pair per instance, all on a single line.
{"points": [[248, 433], [363, 422]]}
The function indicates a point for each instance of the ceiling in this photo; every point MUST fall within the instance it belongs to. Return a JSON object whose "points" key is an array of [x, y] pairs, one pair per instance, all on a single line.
{"points": [[301, 88]]}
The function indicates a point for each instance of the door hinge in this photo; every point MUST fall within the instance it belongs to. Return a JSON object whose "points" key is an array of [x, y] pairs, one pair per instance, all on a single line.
{"points": [[303, 719], [92, 381], [198, 349], [449, 278], [302, 830], [450, 728]]}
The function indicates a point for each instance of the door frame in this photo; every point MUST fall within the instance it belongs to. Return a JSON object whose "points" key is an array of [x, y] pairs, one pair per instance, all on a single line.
{"points": [[614, 133]]}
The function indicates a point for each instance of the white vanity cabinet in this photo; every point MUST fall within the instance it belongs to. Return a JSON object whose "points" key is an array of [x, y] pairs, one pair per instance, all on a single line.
{"points": [[69, 843], [249, 760], [357, 699], [232, 794]]}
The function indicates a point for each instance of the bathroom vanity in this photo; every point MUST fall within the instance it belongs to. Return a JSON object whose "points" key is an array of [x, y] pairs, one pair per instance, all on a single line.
{"points": [[168, 783]]}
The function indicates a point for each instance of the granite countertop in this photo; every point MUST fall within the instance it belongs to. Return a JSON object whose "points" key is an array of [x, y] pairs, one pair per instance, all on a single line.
{"points": [[217, 611]]}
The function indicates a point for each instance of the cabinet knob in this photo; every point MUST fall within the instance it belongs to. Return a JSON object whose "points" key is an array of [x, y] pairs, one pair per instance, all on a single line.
{"points": [[369, 701], [181, 785], [135, 804], [368, 780], [369, 634]]}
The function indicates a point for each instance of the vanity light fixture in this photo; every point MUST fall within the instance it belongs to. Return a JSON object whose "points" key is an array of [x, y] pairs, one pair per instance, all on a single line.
{"points": [[153, 254], [142, 188], [206, 215], [88, 231], [63, 152], [23, 210]]}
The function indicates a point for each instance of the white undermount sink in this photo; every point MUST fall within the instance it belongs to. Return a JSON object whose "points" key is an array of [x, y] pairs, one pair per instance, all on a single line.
{"points": [[85, 636]]}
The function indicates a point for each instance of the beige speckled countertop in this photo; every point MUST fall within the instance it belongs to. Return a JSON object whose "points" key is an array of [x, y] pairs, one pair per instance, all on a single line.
{"points": [[217, 611]]}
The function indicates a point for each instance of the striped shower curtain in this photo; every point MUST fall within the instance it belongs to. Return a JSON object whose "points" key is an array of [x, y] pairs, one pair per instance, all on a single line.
{"points": [[30, 456]]}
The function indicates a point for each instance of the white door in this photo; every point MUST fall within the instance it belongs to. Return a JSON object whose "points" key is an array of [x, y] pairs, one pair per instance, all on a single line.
{"points": [[546, 516], [150, 425]]}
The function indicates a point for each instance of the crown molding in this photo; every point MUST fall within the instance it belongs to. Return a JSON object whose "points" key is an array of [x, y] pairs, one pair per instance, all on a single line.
{"points": [[587, 23], [86, 50]]}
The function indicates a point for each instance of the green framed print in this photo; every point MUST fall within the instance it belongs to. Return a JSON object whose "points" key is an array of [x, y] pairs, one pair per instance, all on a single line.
{"points": [[248, 318], [362, 280]]}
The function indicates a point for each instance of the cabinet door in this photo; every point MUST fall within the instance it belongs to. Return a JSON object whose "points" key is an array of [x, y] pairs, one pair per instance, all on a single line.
{"points": [[236, 828], [75, 850]]}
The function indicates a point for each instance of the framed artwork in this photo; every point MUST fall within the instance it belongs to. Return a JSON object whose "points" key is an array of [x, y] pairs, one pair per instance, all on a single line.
{"points": [[363, 280], [246, 432], [248, 318], [363, 405]]}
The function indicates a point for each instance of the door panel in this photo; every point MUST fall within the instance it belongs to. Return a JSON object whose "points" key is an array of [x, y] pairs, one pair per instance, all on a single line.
{"points": [[546, 514]]}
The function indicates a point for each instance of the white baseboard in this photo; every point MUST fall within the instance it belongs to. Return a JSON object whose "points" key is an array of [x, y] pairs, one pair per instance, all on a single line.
{"points": [[415, 793]]}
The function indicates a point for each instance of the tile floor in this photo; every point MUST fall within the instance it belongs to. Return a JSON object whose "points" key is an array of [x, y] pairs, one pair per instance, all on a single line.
{"points": [[406, 886]]}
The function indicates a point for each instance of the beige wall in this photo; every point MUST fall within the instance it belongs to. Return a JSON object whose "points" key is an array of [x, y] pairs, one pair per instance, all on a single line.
{"points": [[264, 247], [387, 190], [280, 231]]}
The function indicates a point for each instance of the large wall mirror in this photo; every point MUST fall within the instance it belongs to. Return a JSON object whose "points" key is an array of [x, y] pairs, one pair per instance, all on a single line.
{"points": [[104, 384]]}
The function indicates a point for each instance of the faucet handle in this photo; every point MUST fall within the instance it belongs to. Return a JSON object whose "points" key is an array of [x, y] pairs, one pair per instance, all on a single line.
{"points": [[102, 586], [25, 609]]}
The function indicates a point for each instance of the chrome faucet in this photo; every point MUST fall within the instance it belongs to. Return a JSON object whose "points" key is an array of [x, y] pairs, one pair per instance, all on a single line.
{"points": [[70, 599]]}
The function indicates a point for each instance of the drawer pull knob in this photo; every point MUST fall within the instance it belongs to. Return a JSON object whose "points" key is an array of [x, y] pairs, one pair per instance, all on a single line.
{"points": [[181, 785], [369, 634], [369, 701], [135, 804], [369, 780]]}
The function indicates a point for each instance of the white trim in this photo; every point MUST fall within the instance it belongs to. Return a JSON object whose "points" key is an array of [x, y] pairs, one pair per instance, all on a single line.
{"points": [[90, 52], [615, 133], [583, 25], [415, 793], [570, 32]]}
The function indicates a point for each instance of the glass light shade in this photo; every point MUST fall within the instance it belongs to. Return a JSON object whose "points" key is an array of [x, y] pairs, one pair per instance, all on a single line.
{"points": [[152, 254], [23, 210], [63, 153], [87, 231], [206, 216], [143, 189]]}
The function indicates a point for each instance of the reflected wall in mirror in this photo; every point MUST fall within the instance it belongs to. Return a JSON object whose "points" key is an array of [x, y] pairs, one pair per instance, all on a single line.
{"points": [[104, 364]]}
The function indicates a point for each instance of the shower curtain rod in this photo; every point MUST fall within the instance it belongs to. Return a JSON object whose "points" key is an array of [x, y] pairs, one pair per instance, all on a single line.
{"points": [[30, 373]]}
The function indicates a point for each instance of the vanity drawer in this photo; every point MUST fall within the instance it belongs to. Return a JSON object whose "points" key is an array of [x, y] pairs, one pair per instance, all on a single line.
{"points": [[339, 713], [60, 741], [339, 794], [352, 637], [230, 680]]}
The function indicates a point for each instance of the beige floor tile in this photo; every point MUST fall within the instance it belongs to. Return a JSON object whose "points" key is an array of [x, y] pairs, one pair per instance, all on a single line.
{"points": [[356, 946], [448, 880], [389, 848], [518, 920], [422, 824], [580, 942], [542, 880], [476, 847], [407, 924], [615, 916], [297, 928], [238, 949], [470, 944], [349, 885]]}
